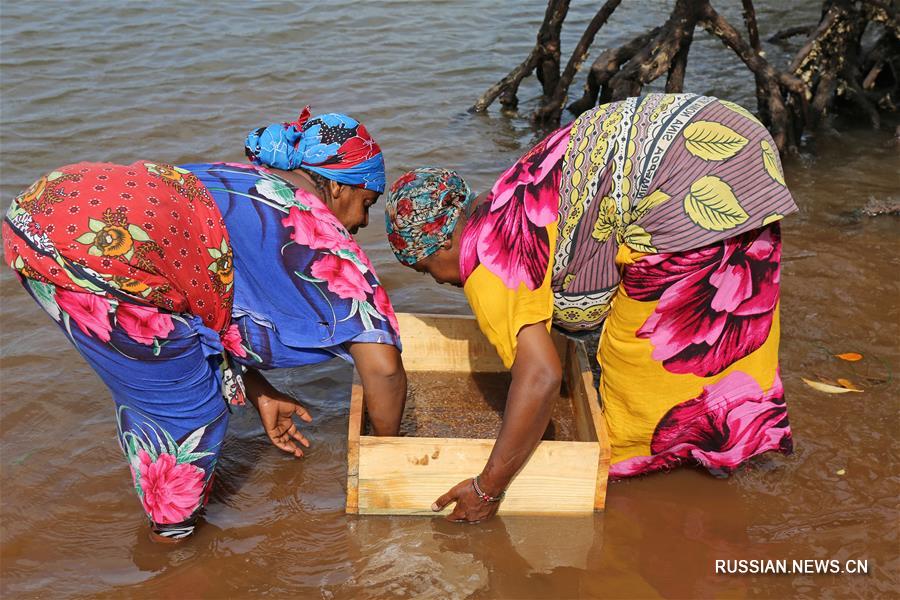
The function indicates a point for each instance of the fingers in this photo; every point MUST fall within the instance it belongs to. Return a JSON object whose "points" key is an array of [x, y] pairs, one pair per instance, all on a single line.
{"points": [[295, 433], [283, 442], [283, 437], [459, 514], [451, 496], [444, 500], [302, 413], [280, 427], [469, 508]]}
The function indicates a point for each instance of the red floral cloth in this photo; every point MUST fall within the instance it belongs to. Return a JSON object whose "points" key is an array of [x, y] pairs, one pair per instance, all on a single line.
{"points": [[149, 232]]}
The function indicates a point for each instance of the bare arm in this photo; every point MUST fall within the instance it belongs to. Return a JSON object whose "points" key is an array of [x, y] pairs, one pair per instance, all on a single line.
{"points": [[384, 383], [536, 377]]}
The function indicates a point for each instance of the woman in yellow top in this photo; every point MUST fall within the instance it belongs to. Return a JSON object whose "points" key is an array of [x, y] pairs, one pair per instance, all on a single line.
{"points": [[655, 218]]}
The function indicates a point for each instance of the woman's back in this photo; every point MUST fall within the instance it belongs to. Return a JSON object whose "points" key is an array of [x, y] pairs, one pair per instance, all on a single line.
{"points": [[302, 286]]}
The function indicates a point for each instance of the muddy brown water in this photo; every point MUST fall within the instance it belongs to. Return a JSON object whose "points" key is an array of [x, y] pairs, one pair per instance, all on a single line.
{"points": [[99, 81]]}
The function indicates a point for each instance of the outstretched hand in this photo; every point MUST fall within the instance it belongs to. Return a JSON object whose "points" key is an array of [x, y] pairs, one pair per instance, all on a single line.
{"points": [[276, 413]]}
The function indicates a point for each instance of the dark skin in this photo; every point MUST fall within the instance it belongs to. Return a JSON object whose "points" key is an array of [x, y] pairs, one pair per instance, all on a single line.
{"points": [[380, 366], [349, 203], [383, 380], [536, 377]]}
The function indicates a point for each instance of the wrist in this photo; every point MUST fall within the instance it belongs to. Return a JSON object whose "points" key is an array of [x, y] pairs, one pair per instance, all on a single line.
{"points": [[484, 496], [491, 485], [255, 385]]}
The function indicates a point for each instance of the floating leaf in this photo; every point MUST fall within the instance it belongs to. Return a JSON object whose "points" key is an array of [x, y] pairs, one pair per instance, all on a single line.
{"points": [[712, 205], [827, 388], [841, 471], [712, 141], [770, 161], [849, 385], [850, 356]]}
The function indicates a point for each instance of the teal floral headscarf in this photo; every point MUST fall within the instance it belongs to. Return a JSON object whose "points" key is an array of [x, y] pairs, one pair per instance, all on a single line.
{"points": [[421, 211]]}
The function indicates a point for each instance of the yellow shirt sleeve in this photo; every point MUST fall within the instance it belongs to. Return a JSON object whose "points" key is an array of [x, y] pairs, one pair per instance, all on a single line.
{"points": [[501, 312]]}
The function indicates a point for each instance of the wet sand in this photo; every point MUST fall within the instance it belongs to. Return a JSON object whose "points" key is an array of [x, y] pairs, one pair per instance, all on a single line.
{"points": [[450, 405]]}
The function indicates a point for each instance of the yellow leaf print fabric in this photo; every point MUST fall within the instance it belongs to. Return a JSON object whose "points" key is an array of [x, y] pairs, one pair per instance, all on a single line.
{"points": [[712, 141], [771, 163], [659, 173], [712, 205]]}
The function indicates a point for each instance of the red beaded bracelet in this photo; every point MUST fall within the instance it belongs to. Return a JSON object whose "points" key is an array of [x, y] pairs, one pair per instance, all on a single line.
{"points": [[486, 497]]}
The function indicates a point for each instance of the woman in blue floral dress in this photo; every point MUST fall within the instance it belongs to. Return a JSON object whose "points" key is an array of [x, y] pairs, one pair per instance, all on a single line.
{"points": [[179, 283]]}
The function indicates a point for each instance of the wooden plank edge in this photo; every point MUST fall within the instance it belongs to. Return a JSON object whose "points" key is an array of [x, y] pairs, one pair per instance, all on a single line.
{"points": [[355, 431], [584, 424], [415, 441], [599, 420], [389, 472], [411, 512]]}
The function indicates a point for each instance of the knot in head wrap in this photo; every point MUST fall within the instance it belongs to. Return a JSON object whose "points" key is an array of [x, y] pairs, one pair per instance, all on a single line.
{"points": [[421, 211], [333, 145]]}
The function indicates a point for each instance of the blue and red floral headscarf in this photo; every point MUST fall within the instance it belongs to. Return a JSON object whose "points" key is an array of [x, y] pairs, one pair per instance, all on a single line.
{"points": [[421, 211], [333, 145]]}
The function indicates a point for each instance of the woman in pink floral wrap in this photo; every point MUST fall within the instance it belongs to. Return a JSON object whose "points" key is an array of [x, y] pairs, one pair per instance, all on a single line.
{"points": [[654, 218], [178, 284]]}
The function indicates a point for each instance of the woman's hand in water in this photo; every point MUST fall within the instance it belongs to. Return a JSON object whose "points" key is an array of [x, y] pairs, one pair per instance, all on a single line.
{"points": [[276, 412], [469, 507]]}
